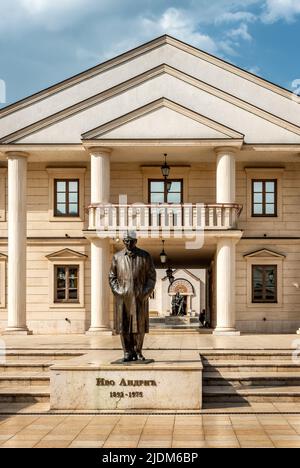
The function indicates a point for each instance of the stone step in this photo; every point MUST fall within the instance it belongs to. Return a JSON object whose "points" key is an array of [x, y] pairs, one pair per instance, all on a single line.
{"points": [[25, 379], [251, 366], [254, 379], [24, 366], [227, 394], [247, 355], [32, 355], [24, 394]]}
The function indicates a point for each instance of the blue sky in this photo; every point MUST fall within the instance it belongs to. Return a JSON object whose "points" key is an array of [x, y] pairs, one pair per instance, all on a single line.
{"points": [[45, 41]]}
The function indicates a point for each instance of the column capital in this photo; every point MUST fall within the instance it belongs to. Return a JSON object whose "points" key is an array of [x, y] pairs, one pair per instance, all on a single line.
{"points": [[226, 150], [16, 154], [98, 150]]}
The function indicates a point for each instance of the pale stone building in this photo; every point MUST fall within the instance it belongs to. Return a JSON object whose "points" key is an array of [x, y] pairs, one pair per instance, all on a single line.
{"points": [[81, 161]]}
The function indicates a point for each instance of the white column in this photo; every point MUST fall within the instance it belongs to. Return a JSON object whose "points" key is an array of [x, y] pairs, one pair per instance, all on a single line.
{"points": [[100, 248], [225, 287], [225, 175], [17, 233]]}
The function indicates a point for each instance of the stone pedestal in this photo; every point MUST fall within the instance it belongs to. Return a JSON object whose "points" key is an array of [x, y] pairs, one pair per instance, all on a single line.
{"points": [[177, 320], [93, 383]]}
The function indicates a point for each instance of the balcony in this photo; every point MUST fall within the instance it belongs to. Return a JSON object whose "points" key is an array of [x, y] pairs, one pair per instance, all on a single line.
{"points": [[110, 220]]}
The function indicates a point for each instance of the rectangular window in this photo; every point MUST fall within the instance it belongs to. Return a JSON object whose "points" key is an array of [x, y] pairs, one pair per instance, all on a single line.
{"points": [[162, 191], [264, 198], [66, 197], [66, 283], [264, 283]]}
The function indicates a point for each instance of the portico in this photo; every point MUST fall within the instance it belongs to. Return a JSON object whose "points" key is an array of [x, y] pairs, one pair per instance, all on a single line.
{"points": [[195, 224]]}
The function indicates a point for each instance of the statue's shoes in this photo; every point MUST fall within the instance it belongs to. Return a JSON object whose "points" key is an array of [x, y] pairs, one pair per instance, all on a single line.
{"points": [[140, 357], [129, 357]]}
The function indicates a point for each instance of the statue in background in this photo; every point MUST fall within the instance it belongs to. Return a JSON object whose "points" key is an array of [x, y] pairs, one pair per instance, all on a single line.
{"points": [[132, 280], [178, 305]]}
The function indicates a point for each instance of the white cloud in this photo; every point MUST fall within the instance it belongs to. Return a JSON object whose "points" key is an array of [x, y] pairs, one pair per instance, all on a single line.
{"points": [[229, 17], [181, 24], [281, 9], [242, 32]]}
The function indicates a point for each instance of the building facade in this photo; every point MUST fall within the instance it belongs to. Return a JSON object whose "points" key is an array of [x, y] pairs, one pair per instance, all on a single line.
{"points": [[81, 162]]}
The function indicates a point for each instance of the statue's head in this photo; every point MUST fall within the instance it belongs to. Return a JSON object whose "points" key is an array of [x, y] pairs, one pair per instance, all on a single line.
{"points": [[130, 240]]}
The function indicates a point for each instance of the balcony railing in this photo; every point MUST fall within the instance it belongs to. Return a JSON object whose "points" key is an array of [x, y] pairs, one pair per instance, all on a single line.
{"points": [[111, 220]]}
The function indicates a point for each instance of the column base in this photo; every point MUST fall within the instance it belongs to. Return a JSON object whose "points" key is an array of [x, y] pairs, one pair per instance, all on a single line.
{"points": [[101, 331], [226, 332], [17, 331]]}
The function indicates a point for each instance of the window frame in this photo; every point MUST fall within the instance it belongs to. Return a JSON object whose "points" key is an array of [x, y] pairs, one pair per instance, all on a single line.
{"points": [[64, 173], [67, 214], [165, 182], [264, 214], [266, 257], [69, 258], [67, 288], [264, 267]]}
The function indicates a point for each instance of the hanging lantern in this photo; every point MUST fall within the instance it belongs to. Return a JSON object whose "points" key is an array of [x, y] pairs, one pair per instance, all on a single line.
{"points": [[169, 273], [163, 255], [165, 169]]}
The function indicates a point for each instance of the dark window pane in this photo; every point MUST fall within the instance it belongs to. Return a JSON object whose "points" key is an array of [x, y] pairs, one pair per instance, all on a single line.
{"points": [[73, 283], [61, 294], [61, 283], [264, 283], [73, 294]]}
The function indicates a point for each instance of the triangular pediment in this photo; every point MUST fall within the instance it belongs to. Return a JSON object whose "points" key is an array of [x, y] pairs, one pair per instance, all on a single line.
{"points": [[163, 119], [66, 254], [264, 253]]}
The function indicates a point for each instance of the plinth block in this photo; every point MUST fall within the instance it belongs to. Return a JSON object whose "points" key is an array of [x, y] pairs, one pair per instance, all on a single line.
{"points": [[91, 382]]}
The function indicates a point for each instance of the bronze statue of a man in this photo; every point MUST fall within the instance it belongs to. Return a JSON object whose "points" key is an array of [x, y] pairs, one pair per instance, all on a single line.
{"points": [[132, 280]]}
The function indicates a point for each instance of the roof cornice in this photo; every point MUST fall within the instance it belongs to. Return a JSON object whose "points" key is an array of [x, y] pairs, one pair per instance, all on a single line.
{"points": [[139, 79], [136, 52]]}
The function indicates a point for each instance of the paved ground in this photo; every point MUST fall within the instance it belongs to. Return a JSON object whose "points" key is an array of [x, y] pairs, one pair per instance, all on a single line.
{"points": [[155, 340], [202, 431]]}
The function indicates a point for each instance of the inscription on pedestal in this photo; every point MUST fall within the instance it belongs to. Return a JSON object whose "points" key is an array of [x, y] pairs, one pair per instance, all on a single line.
{"points": [[125, 393]]}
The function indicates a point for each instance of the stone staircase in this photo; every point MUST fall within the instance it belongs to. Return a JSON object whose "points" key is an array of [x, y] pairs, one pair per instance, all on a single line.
{"points": [[236, 376], [250, 376], [24, 376]]}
